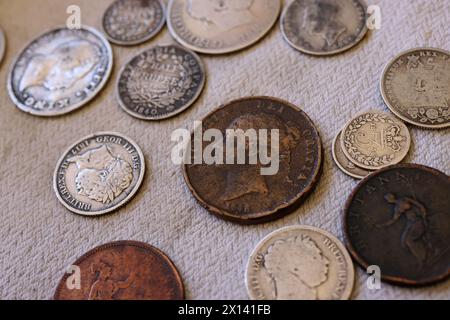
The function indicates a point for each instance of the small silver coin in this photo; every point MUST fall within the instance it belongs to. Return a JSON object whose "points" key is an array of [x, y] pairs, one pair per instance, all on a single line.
{"points": [[132, 22], [416, 87], [324, 27], [160, 82], [2, 45], [300, 263], [60, 71], [217, 27], [99, 174]]}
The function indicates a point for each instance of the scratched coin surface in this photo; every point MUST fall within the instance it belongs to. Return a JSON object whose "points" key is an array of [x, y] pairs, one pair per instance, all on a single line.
{"points": [[416, 87], [2, 45], [300, 263], [324, 27], [123, 270], [132, 22], [398, 218], [99, 173], [160, 82], [241, 183], [60, 71], [374, 140], [217, 27]]}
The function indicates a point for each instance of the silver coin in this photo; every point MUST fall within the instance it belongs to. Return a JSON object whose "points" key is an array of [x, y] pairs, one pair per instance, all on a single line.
{"points": [[416, 87], [132, 22], [60, 71], [160, 82], [2, 44], [99, 173], [300, 263], [324, 27], [217, 27]]}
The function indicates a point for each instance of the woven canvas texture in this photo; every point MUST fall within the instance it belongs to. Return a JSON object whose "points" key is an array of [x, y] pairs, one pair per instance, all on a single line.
{"points": [[40, 238]]}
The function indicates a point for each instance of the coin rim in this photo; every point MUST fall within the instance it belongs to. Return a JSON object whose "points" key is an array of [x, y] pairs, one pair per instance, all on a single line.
{"points": [[2, 45], [348, 259], [132, 243], [386, 100], [73, 107], [354, 253], [232, 49], [121, 203]]}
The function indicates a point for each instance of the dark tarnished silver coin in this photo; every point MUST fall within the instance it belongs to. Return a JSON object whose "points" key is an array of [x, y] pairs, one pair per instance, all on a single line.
{"points": [[60, 71], [324, 27], [398, 219], [416, 87], [132, 22], [99, 174], [160, 82], [2, 45]]}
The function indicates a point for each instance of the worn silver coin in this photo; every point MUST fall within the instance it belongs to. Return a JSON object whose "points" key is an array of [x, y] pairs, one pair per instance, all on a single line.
{"points": [[2, 45], [160, 82], [217, 27], [132, 22], [300, 263], [60, 71], [99, 173], [416, 87], [324, 27]]}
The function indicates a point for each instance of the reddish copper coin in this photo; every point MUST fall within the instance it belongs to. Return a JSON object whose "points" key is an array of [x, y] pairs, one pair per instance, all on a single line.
{"points": [[123, 270]]}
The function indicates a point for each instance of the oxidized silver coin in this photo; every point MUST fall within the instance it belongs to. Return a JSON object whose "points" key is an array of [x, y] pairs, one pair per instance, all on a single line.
{"points": [[160, 82], [132, 22], [217, 27], [2, 45], [60, 71], [324, 27], [416, 87], [99, 173], [300, 263]]}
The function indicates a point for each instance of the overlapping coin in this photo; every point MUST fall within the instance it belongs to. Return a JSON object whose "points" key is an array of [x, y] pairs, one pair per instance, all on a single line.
{"points": [[99, 173], [416, 87], [123, 270], [217, 27], [300, 263], [2, 45]]}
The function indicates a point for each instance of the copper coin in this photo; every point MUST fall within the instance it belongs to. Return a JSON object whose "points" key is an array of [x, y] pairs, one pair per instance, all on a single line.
{"points": [[398, 219], [241, 191], [123, 270]]}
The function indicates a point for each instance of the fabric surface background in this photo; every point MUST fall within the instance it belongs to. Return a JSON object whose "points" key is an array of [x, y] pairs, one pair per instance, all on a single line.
{"points": [[40, 238]]}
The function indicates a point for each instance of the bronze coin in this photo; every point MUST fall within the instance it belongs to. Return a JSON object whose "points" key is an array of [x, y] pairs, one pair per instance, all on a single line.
{"points": [[241, 192], [398, 219], [122, 270]]}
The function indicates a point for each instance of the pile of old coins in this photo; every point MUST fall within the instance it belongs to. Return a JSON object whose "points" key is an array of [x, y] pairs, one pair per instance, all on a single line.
{"points": [[397, 218]]}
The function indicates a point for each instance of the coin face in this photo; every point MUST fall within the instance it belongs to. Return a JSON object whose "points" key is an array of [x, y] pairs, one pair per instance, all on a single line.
{"points": [[398, 218], [2, 45], [60, 71], [123, 270], [324, 27], [374, 140], [132, 22], [216, 27], [300, 263], [160, 82], [416, 87], [99, 173], [242, 184]]}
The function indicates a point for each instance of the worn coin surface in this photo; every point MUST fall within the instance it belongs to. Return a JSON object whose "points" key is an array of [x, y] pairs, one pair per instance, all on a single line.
{"points": [[99, 173], [2, 45], [398, 218], [374, 140], [132, 22], [324, 27], [416, 87], [300, 263], [60, 71], [160, 82], [217, 27], [253, 188], [123, 270]]}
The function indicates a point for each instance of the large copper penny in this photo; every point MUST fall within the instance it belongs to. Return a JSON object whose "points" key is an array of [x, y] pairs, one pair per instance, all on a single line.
{"points": [[123, 270], [398, 218], [241, 192]]}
